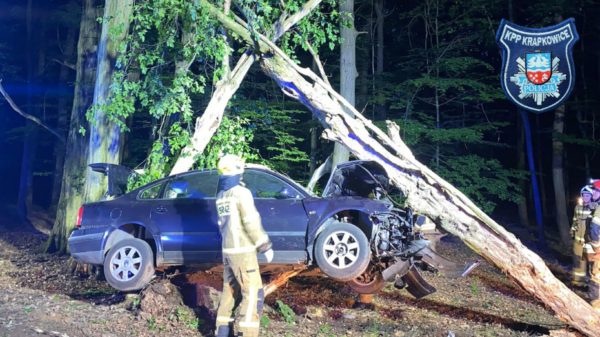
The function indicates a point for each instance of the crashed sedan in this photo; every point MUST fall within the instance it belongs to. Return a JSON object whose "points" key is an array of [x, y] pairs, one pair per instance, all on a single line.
{"points": [[353, 233]]}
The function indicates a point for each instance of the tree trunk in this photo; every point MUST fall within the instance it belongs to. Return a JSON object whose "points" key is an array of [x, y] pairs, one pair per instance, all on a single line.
{"points": [[63, 115], [105, 135], [77, 144], [30, 142], [523, 214], [429, 195], [209, 122], [557, 176], [348, 71], [540, 169], [379, 71]]}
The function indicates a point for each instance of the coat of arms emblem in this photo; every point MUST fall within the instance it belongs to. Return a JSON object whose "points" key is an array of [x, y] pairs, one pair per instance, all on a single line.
{"points": [[537, 69]]}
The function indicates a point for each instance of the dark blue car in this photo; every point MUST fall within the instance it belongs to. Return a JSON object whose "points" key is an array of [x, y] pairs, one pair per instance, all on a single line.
{"points": [[354, 233]]}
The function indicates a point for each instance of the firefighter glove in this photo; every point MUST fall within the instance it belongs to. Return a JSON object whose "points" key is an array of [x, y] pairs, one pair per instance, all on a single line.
{"points": [[269, 255]]}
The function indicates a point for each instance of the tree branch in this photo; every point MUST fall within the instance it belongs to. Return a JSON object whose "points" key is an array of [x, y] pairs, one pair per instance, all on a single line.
{"points": [[26, 115], [68, 65]]}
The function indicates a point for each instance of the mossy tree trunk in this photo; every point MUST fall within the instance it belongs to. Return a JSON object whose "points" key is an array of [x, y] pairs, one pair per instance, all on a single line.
{"points": [[105, 134], [76, 154]]}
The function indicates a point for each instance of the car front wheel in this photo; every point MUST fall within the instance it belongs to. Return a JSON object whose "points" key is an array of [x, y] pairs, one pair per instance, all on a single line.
{"points": [[342, 251], [129, 265]]}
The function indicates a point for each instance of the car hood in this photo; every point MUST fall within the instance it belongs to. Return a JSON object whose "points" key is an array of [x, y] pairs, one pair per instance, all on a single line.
{"points": [[357, 178]]}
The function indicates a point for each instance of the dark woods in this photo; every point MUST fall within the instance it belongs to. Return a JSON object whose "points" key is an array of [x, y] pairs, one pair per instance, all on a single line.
{"points": [[430, 65]]}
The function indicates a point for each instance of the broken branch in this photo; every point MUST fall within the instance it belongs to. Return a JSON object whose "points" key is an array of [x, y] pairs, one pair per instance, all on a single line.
{"points": [[28, 116]]}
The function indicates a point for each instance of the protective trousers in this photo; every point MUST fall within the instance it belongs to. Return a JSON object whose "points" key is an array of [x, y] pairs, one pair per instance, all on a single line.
{"points": [[240, 277], [594, 285], [579, 262]]}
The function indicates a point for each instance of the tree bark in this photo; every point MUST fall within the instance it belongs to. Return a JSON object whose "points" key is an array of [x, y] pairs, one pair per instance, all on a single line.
{"points": [[209, 122], [63, 115], [348, 71], [77, 144], [557, 176], [105, 135]]}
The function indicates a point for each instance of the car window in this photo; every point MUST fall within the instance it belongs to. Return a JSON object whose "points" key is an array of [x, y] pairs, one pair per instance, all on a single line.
{"points": [[193, 186], [264, 185], [151, 192]]}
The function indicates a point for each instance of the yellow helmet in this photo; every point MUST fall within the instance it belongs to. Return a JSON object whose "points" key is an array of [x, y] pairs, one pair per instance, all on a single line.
{"points": [[230, 165]]}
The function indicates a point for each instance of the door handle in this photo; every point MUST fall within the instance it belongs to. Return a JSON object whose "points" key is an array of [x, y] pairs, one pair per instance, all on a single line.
{"points": [[160, 209]]}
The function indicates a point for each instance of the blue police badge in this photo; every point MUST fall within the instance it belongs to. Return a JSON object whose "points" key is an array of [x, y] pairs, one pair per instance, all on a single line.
{"points": [[537, 64]]}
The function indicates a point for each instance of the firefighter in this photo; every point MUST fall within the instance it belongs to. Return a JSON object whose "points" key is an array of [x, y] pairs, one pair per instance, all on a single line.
{"points": [[580, 219], [592, 238], [242, 237]]}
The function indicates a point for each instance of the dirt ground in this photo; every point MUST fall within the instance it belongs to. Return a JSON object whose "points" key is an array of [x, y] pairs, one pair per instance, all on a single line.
{"points": [[39, 297]]}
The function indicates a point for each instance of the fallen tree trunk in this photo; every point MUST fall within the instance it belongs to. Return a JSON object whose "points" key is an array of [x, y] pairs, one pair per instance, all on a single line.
{"points": [[430, 195], [426, 192]]}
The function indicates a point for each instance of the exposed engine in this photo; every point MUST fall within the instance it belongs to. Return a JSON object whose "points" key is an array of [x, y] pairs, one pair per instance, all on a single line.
{"points": [[395, 235]]}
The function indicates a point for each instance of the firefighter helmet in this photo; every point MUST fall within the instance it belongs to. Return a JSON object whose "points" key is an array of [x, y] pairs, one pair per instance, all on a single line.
{"points": [[230, 165], [586, 189]]}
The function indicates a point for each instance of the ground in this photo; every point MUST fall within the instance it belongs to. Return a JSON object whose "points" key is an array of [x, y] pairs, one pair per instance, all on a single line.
{"points": [[38, 296]]}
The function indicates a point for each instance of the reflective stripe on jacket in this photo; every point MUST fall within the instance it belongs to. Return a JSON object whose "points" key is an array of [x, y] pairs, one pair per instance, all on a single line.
{"points": [[239, 222]]}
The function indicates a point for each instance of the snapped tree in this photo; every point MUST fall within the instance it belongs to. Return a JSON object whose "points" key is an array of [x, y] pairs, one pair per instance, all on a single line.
{"points": [[426, 192]]}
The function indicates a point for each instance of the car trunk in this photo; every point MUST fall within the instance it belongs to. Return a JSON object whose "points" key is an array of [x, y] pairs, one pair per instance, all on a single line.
{"points": [[117, 177], [360, 178]]}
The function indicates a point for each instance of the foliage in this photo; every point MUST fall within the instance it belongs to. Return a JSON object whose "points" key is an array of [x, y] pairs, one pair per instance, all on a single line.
{"points": [[286, 312], [231, 138], [175, 50]]}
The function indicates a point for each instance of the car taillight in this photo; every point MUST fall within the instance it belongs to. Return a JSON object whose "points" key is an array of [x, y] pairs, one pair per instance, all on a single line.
{"points": [[78, 224]]}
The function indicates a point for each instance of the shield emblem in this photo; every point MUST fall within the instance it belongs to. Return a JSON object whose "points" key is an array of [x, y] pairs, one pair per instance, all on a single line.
{"points": [[537, 73], [538, 67]]}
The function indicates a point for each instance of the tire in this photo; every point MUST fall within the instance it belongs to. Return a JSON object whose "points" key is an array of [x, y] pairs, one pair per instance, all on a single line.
{"points": [[136, 260], [342, 251], [369, 282]]}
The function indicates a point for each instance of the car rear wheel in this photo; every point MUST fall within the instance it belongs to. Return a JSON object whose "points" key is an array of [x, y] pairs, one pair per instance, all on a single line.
{"points": [[342, 251], [129, 265]]}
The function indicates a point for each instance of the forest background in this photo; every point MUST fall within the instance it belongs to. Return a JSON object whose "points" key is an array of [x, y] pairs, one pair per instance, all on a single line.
{"points": [[429, 65]]}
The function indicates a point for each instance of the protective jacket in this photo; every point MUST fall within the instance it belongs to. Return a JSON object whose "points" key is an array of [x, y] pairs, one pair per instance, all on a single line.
{"points": [[239, 222]]}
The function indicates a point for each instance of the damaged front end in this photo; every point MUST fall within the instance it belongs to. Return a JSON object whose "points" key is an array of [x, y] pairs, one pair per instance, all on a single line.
{"points": [[401, 251]]}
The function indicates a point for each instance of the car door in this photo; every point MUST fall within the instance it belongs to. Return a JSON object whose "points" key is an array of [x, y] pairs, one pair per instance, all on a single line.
{"points": [[187, 218], [282, 214]]}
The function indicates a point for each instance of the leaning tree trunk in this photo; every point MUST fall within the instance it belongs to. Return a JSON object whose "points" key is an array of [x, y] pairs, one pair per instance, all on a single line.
{"points": [[430, 195], [557, 176], [209, 122], [77, 144], [105, 135], [63, 115], [348, 71]]}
